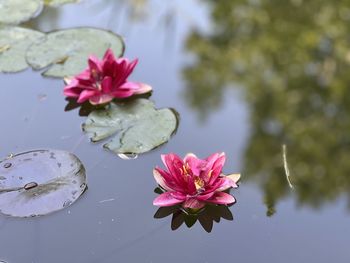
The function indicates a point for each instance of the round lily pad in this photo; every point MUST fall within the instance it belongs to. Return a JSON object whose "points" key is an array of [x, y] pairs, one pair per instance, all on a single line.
{"points": [[14, 41], [39, 182], [18, 11], [66, 51], [135, 126]]}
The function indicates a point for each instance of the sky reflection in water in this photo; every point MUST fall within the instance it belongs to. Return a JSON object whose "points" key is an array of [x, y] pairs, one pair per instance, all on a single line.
{"points": [[253, 75]]}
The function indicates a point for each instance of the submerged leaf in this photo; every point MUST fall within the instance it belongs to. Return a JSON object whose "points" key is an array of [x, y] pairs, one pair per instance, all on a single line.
{"points": [[56, 3], [66, 51], [14, 41], [18, 11], [138, 126], [40, 182]]}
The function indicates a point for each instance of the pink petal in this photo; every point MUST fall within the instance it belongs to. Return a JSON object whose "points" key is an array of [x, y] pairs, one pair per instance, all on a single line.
{"points": [[109, 55], [142, 88], [160, 180], [170, 180], [120, 93], [122, 62], [100, 99], [110, 68], [189, 156], [70, 82], [81, 83], [72, 91], [164, 174], [124, 68], [131, 66], [178, 195], [120, 71], [86, 95], [106, 84], [226, 183], [220, 182], [191, 187], [193, 203], [207, 167], [85, 75], [95, 66], [174, 165], [194, 163], [204, 197], [234, 177], [212, 159], [219, 162], [222, 198], [166, 199], [217, 168], [129, 86]]}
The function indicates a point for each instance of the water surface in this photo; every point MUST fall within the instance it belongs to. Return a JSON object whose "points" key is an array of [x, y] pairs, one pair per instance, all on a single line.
{"points": [[246, 78]]}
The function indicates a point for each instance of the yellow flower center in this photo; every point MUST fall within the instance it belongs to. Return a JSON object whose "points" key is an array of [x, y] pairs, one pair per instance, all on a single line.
{"points": [[199, 183], [185, 169]]}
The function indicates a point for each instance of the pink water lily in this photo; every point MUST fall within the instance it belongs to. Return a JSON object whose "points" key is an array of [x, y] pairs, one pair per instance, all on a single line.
{"points": [[105, 80], [193, 182]]}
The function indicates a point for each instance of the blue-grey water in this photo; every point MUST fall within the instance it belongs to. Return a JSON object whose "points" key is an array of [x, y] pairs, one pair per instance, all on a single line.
{"points": [[247, 116]]}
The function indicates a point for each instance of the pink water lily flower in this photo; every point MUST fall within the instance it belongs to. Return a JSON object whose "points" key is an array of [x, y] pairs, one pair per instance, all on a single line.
{"points": [[105, 80], [193, 182]]}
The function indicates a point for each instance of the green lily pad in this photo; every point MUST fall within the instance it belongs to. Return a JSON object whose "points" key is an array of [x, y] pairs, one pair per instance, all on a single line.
{"points": [[56, 3], [18, 11], [136, 126], [39, 182], [65, 52], [14, 41]]}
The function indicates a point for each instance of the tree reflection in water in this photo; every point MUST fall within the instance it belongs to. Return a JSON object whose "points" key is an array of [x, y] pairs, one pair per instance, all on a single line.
{"points": [[292, 60]]}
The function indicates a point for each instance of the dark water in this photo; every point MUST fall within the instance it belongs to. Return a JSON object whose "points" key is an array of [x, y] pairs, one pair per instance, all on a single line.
{"points": [[246, 78]]}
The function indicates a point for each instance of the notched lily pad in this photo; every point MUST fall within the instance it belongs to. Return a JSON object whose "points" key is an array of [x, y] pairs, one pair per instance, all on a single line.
{"points": [[18, 11], [56, 3], [65, 52], [14, 41], [39, 182], [136, 126]]}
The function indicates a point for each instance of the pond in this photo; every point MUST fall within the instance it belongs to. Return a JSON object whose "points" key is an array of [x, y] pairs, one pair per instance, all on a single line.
{"points": [[265, 82]]}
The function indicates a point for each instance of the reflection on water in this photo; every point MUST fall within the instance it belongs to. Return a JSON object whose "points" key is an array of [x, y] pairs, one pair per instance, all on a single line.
{"points": [[135, 9], [96, 230], [84, 109], [205, 217], [49, 17], [292, 60]]}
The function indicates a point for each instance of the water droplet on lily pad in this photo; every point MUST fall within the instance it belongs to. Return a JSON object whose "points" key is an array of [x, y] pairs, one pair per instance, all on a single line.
{"points": [[135, 127], [18, 11], [65, 52], [126, 156], [36, 186]]}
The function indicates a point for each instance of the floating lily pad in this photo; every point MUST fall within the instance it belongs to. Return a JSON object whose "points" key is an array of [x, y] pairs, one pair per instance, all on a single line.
{"points": [[18, 11], [56, 3], [66, 51], [40, 182], [136, 126], [14, 41]]}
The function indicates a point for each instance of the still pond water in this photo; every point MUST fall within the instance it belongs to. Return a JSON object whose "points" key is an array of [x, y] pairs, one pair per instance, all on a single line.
{"points": [[246, 78]]}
